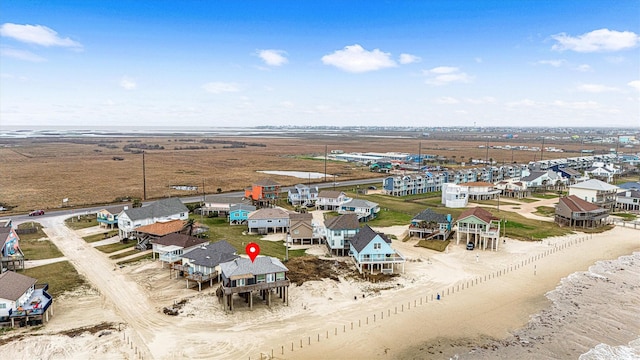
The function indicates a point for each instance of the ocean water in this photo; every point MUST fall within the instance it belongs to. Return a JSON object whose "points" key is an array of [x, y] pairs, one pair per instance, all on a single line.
{"points": [[593, 315]]}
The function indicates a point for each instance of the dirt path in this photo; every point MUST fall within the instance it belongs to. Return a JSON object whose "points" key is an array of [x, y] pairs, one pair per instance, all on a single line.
{"points": [[527, 209], [120, 292], [28, 264]]}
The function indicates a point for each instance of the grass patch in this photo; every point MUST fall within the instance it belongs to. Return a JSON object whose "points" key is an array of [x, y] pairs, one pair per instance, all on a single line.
{"points": [[81, 221], [437, 245], [548, 211], [597, 230], [60, 276], [124, 254], [493, 202], [528, 200], [135, 259], [625, 216], [101, 236], [519, 227], [545, 196], [37, 246], [220, 229], [115, 247]]}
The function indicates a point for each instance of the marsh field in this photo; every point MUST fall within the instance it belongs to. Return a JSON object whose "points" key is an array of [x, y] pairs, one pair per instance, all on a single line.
{"points": [[38, 173]]}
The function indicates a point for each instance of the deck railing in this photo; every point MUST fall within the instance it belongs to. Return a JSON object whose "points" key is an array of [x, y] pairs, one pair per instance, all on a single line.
{"points": [[260, 286]]}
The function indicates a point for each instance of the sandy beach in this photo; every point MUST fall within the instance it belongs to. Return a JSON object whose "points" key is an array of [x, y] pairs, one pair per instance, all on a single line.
{"points": [[486, 300]]}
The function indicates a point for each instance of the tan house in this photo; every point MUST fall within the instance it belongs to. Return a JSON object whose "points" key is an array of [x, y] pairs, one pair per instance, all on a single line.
{"points": [[301, 228], [575, 212]]}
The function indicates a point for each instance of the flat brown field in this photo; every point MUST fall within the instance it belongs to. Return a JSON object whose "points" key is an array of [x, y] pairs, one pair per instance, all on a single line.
{"points": [[39, 173]]}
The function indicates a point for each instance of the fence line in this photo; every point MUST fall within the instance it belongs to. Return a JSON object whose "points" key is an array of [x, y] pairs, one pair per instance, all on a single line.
{"points": [[459, 285]]}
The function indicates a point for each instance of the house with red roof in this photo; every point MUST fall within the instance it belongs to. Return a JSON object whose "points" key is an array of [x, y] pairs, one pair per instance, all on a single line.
{"points": [[575, 212], [480, 227]]}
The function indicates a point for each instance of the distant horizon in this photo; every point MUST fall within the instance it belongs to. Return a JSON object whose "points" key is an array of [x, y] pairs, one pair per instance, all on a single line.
{"points": [[286, 63]]}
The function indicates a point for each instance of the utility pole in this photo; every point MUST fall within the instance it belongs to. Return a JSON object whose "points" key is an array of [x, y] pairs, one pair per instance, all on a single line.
{"points": [[203, 201], [325, 163], [419, 155], [144, 179], [486, 160], [542, 150]]}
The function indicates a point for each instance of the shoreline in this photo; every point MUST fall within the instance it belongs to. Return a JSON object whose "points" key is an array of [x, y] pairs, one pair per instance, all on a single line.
{"points": [[491, 310], [318, 322]]}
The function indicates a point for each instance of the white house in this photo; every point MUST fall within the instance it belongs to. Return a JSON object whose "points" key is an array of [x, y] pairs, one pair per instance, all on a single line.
{"points": [[481, 190], [263, 221], [21, 302], [330, 200], [454, 195], [596, 192], [165, 209], [302, 195], [366, 210]]}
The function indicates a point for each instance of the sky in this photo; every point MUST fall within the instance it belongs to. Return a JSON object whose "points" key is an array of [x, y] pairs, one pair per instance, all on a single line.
{"points": [[319, 63]]}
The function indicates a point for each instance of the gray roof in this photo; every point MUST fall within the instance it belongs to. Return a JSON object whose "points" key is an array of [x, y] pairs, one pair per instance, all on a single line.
{"points": [[429, 215], [632, 193], [14, 285], [330, 194], [182, 240], [343, 222], [533, 175], [269, 213], [160, 208], [594, 184], [365, 236], [225, 199], [212, 254], [632, 185], [261, 265], [117, 209], [301, 217], [246, 207], [359, 203]]}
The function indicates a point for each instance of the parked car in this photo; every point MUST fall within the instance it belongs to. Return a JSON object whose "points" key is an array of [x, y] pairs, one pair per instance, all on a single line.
{"points": [[470, 246], [36, 213]]}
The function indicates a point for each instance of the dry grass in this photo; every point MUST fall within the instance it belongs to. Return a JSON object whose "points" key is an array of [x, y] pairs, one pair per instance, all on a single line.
{"points": [[45, 171]]}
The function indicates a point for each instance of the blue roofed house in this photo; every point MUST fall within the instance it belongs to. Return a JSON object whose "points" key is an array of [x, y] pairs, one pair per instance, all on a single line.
{"points": [[262, 276], [339, 231], [366, 210], [372, 250], [239, 213], [428, 224]]}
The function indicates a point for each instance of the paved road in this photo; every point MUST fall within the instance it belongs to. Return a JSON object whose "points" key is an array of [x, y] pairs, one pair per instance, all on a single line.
{"points": [[187, 199]]}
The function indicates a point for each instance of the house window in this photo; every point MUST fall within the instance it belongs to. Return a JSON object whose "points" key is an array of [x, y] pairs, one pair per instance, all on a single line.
{"points": [[377, 246], [271, 278], [240, 282], [296, 231], [181, 214], [3, 306], [260, 278]]}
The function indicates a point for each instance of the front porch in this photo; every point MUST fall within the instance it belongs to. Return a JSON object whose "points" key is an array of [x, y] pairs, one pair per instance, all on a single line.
{"points": [[384, 264], [187, 272]]}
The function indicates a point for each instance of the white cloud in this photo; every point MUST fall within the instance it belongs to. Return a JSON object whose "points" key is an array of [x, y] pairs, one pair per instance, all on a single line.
{"points": [[220, 87], [128, 83], [596, 88], [273, 57], [409, 59], [577, 105], [583, 68], [596, 41], [634, 84], [554, 63], [21, 55], [356, 59], [523, 103], [36, 34], [615, 59], [443, 75], [482, 100], [447, 100]]}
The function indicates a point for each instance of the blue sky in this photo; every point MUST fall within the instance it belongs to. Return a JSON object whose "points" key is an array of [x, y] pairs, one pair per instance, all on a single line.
{"points": [[249, 63]]}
